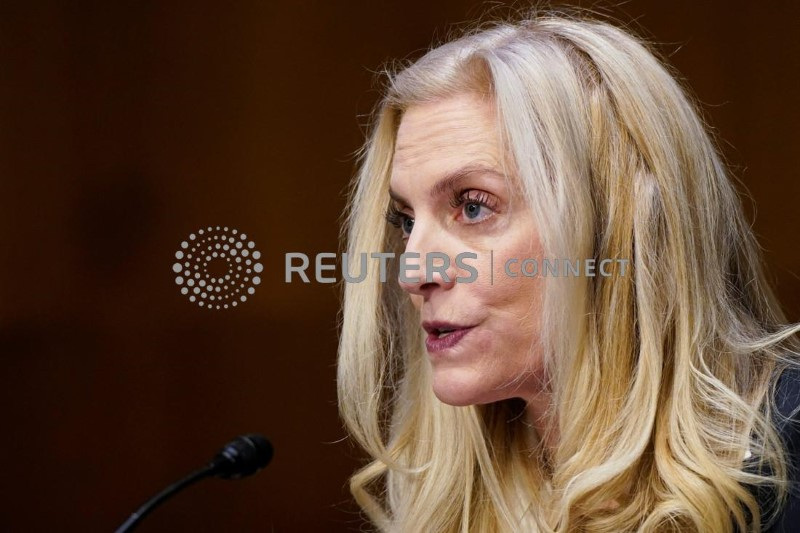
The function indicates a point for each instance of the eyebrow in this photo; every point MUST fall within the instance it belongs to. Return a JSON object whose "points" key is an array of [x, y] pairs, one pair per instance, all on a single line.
{"points": [[450, 180]]}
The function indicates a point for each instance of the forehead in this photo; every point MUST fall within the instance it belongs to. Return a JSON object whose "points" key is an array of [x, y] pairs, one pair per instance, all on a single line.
{"points": [[446, 131]]}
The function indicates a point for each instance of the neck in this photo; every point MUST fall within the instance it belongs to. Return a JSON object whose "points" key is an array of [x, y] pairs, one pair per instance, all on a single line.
{"points": [[539, 422]]}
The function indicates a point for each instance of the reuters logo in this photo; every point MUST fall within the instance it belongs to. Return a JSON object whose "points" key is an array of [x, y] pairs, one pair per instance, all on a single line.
{"points": [[217, 267]]}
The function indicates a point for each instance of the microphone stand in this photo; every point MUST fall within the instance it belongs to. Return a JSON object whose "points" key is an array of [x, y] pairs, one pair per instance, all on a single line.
{"points": [[159, 498], [242, 457]]}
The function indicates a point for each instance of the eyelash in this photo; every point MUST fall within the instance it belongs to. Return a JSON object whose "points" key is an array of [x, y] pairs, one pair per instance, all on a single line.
{"points": [[396, 218], [459, 198]]}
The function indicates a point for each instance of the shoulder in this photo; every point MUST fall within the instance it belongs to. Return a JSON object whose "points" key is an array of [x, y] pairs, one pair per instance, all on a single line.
{"points": [[787, 403], [787, 422]]}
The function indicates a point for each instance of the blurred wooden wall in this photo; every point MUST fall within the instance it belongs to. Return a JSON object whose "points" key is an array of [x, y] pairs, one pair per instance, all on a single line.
{"points": [[128, 125]]}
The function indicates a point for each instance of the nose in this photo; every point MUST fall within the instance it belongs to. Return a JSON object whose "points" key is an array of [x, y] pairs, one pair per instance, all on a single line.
{"points": [[425, 267]]}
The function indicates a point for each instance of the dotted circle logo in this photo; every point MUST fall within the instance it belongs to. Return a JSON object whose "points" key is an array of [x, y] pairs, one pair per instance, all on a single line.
{"points": [[217, 268]]}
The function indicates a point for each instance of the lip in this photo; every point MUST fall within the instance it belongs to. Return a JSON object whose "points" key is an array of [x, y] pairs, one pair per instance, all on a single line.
{"points": [[434, 326], [434, 344]]}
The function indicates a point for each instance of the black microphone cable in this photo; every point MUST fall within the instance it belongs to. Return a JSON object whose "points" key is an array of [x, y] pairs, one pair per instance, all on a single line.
{"points": [[240, 458]]}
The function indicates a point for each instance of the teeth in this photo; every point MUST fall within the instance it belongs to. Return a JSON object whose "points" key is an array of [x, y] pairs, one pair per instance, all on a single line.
{"points": [[445, 333]]}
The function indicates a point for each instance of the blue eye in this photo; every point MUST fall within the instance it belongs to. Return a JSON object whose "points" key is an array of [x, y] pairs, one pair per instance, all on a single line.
{"points": [[472, 210], [474, 204], [400, 220], [408, 225]]}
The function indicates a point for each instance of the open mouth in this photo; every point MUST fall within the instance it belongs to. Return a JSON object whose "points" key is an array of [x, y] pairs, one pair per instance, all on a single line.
{"points": [[444, 336], [442, 329], [442, 333]]}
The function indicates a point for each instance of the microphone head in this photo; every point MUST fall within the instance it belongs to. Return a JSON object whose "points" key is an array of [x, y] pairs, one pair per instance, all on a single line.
{"points": [[243, 456]]}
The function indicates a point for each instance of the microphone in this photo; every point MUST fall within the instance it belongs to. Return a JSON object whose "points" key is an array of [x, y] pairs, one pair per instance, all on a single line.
{"points": [[243, 456]]}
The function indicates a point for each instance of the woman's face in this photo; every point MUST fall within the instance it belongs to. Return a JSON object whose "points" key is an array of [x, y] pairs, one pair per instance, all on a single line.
{"points": [[494, 353]]}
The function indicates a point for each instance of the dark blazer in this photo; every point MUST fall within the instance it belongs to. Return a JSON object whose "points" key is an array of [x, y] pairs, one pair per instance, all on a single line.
{"points": [[787, 396]]}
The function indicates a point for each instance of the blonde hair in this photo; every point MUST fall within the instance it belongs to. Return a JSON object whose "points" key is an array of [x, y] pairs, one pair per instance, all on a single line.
{"points": [[662, 380]]}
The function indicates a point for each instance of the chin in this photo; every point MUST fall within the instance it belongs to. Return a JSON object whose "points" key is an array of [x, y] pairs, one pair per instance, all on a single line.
{"points": [[460, 388]]}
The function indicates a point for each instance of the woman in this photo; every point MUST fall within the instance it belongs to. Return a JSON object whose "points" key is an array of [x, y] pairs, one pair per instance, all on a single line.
{"points": [[643, 399]]}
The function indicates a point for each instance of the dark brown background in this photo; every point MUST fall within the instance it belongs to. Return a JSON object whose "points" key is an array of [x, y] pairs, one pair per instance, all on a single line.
{"points": [[127, 125]]}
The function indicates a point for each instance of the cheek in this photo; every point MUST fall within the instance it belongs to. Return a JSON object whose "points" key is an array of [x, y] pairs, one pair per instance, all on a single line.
{"points": [[514, 306], [515, 302]]}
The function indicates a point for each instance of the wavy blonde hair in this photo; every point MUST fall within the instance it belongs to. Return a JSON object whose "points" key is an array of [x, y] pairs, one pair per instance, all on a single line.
{"points": [[662, 380]]}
